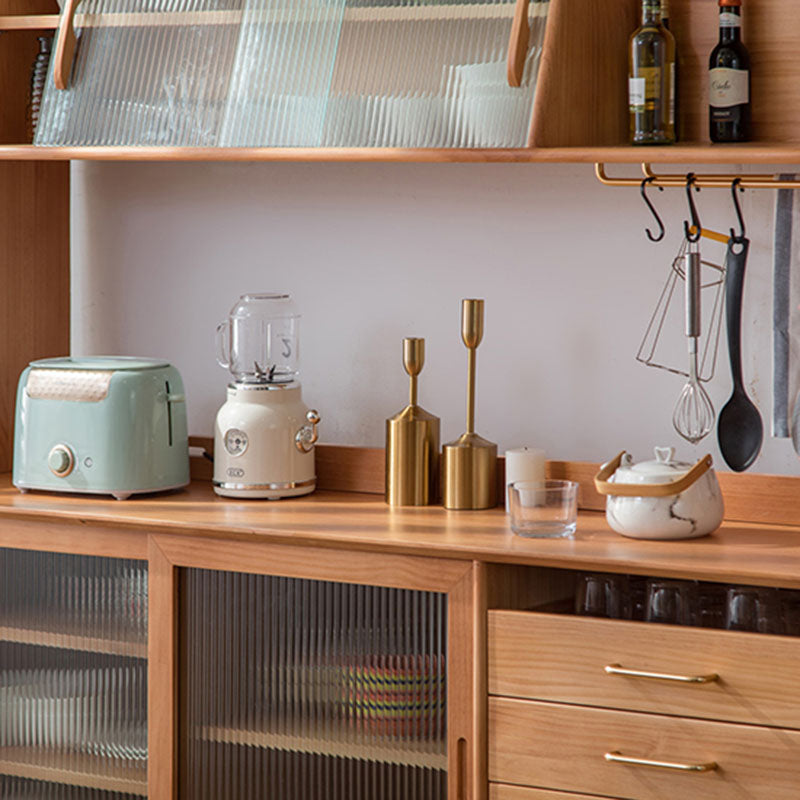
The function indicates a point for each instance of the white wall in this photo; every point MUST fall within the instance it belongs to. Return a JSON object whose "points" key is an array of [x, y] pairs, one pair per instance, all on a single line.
{"points": [[375, 252]]}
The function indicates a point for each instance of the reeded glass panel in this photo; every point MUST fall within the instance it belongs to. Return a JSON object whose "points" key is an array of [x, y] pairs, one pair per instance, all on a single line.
{"points": [[73, 676], [249, 73], [311, 690], [196, 73], [431, 73]]}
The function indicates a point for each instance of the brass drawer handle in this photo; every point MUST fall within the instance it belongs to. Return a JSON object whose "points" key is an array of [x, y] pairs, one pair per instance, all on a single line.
{"points": [[617, 758], [617, 669]]}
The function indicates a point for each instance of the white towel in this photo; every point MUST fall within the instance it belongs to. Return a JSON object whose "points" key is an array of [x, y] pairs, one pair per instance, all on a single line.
{"points": [[786, 309]]}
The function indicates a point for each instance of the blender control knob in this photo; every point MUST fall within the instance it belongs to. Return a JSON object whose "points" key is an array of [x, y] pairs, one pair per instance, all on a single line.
{"points": [[307, 436], [61, 461]]}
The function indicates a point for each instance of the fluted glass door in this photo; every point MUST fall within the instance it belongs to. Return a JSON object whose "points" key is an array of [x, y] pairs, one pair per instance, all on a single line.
{"points": [[73, 677], [311, 690]]}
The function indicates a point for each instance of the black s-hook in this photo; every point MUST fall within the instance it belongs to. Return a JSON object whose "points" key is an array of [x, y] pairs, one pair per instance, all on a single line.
{"points": [[734, 187], [692, 237], [652, 211]]}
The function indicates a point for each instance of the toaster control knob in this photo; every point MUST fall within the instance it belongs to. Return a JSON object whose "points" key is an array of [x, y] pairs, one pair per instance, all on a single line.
{"points": [[61, 461]]}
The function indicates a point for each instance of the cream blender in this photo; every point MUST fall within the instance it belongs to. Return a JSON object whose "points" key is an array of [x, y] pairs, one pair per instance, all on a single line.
{"points": [[264, 434]]}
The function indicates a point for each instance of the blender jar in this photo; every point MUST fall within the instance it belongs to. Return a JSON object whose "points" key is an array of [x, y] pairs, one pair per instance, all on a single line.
{"points": [[258, 342]]}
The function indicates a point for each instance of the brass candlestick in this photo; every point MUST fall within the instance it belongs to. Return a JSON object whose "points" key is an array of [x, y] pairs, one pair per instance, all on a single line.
{"points": [[412, 442], [469, 464]]}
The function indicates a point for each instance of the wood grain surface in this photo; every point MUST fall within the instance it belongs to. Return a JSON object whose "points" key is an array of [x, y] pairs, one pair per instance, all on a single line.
{"points": [[739, 552], [562, 658], [563, 747], [504, 791]]}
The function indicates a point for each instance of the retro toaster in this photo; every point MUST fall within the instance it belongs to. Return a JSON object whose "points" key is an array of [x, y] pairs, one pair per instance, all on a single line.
{"points": [[100, 425]]}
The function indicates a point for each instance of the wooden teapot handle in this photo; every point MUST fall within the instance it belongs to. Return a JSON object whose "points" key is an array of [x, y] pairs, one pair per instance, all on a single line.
{"points": [[603, 486]]}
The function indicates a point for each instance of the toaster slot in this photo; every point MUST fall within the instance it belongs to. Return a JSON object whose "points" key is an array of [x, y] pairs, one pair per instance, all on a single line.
{"points": [[169, 414]]}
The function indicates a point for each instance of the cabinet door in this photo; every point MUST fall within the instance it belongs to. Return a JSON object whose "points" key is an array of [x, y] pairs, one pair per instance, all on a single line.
{"points": [[281, 671], [300, 689], [73, 676]]}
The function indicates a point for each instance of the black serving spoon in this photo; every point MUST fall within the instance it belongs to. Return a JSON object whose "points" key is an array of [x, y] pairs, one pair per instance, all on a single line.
{"points": [[740, 430]]}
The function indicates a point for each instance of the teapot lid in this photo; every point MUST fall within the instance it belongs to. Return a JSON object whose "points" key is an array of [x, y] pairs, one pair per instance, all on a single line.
{"points": [[661, 470]]}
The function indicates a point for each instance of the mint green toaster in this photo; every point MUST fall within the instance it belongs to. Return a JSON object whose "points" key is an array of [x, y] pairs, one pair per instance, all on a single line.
{"points": [[100, 425]]}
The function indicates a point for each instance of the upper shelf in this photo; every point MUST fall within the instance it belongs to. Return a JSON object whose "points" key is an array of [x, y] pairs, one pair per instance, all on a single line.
{"points": [[752, 153], [580, 105]]}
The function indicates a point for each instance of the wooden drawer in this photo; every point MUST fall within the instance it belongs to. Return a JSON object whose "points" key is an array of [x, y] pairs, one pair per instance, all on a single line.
{"points": [[562, 658], [563, 747], [504, 791]]}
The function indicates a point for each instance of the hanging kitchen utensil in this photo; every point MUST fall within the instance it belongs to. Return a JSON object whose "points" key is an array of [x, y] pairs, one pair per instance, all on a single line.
{"points": [[693, 417], [653, 350], [740, 430]]}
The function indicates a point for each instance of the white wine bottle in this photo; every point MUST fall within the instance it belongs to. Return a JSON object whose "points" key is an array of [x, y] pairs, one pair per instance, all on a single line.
{"points": [[651, 65]]}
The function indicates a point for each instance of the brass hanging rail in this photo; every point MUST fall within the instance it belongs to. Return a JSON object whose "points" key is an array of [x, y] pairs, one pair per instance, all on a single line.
{"points": [[678, 180]]}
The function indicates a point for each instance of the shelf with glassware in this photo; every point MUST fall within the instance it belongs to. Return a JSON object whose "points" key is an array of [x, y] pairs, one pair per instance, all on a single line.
{"points": [[580, 107]]}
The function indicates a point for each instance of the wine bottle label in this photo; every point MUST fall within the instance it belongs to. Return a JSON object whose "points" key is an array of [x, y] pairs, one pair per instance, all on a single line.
{"points": [[728, 87], [727, 19], [636, 94]]}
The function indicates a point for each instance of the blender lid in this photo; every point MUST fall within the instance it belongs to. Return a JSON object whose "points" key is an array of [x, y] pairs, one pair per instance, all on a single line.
{"points": [[99, 363]]}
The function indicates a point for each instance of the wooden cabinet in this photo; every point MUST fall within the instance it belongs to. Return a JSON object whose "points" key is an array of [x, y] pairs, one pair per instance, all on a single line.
{"points": [[639, 710]]}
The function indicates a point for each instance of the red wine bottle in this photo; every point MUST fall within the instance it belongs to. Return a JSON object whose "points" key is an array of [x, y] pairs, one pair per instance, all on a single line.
{"points": [[729, 79]]}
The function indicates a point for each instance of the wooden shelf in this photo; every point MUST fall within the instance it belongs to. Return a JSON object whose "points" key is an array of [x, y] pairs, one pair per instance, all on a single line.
{"points": [[93, 772], [72, 641], [393, 752], [689, 153]]}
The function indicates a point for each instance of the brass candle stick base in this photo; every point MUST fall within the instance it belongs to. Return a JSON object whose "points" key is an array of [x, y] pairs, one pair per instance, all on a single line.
{"points": [[412, 443], [469, 464]]}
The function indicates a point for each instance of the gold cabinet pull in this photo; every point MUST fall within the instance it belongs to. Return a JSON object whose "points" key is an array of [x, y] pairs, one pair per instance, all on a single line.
{"points": [[617, 758], [617, 669]]}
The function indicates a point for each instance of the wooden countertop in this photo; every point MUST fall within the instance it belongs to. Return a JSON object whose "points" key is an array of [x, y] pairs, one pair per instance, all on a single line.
{"points": [[743, 552]]}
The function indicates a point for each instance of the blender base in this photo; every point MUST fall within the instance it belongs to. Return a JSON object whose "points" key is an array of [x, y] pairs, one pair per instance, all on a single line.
{"points": [[273, 491]]}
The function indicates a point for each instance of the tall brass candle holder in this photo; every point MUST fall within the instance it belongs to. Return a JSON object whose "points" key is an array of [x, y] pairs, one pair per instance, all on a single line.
{"points": [[469, 464], [412, 442]]}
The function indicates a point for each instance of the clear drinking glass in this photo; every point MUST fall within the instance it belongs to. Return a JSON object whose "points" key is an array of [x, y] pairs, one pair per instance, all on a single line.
{"points": [[790, 608], [600, 595], [670, 601], [709, 611], [543, 509], [753, 608]]}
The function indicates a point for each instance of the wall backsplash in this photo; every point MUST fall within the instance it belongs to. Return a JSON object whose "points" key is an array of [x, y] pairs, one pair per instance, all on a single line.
{"points": [[376, 252]]}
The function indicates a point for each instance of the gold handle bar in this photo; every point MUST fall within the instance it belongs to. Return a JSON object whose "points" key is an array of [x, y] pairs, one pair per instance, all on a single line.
{"points": [[617, 669], [617, 758], [678, 181]]}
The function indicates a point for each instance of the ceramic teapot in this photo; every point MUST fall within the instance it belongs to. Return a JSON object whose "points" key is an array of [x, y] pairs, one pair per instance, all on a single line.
{"points": [[661, 499]]}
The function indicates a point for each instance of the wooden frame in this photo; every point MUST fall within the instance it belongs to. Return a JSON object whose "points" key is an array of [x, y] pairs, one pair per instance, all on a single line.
{"points": [[466, 696]]}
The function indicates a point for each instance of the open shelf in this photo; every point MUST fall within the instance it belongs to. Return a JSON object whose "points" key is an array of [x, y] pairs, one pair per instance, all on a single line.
{"points": [[356, 746], [580, 113], [74, 769], [688, 153], [72, 641]]}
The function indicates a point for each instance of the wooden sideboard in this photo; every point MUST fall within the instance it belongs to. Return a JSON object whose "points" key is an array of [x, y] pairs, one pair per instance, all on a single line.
{"points": [[530, 709]]}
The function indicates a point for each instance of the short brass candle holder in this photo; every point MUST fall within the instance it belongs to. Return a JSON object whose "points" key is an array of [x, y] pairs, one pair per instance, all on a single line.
{"points": [[412, 442], [469, 464]]}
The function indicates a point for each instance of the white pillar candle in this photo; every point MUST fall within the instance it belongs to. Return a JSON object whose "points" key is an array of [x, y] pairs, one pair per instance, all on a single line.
{"points": [[523, 464]]}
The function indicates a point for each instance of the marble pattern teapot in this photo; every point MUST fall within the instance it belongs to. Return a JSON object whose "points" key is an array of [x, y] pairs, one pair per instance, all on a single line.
{"points": [[661, 499]]}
